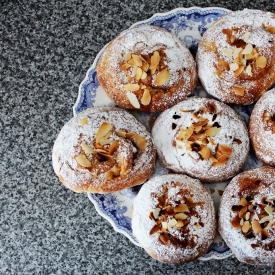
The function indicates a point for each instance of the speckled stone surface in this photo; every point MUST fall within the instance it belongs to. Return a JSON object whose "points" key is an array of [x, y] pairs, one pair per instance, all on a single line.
{"points": [[46, 48]]}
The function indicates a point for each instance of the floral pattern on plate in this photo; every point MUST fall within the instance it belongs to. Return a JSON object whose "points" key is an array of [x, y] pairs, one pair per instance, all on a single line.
{"points": [[188, 24]]}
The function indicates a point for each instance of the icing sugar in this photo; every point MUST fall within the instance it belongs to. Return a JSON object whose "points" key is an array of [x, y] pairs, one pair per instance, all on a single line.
{"points": [[142, 224], [67, 147], [239, 244], [184, 161], [263, 139], [222, 87]]}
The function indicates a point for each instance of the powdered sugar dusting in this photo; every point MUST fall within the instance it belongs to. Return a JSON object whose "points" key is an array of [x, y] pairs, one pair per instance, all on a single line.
{"points": [[142, 224], [67, 147], [263, 139], [239, 244], [178, 159], [211, 48]]}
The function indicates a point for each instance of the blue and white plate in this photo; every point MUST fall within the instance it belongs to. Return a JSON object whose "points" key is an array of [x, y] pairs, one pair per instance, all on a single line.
{"points": [[188, 24]]}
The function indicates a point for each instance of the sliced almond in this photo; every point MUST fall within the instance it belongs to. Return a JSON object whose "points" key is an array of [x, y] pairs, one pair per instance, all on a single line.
{"points": [[239, 90], [243, 202], [109, 175], [221, 160], [143, 76], [125, 66], [83, 161], [224, 149], [86, 148], [236, 222], [239, 71], [137, 59], [128, 56], [246, 226], [121, 133], [205, 152], [181, 216], [172, 223], [155, 59], [268, 210], [155, 229], [164, 225], [181, 208], [248, 49], [130, 134], [261, 62], [131, 87], [256, 227], [114, 145], [83, 121], [133, 99], [146, 97], [265, 219], [212, 159], [189, 131], [228, 52], [139, 141], [213, 131], [180, 224], [234, 67], [102, 131], [162, 77], [246, 36], [105, 141], [224, 64], [156, 213], [247, 215], [270, 29], [242, 211], [236, 52], [248, 70], [145, 66]]}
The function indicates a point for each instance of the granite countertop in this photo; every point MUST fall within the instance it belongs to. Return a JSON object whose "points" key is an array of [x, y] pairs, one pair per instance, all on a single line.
{"points": [[46, 48]]}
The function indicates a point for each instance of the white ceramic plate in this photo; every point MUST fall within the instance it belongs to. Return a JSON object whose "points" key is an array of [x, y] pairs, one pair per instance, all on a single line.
{"points": [[188, 25]]}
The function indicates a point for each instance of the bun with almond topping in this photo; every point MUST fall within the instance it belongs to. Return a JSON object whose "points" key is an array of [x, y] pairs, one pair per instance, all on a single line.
{"points": [[236, 56], [103, 149], [203, 138], [246, 216], [147, 68], [262, 128], [174, 218]]}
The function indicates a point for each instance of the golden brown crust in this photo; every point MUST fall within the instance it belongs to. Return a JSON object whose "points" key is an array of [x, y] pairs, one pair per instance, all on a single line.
{"points": [[246, 216], [159, 68], [103, 149], [174, 218], [262, 128], [236, 59]]}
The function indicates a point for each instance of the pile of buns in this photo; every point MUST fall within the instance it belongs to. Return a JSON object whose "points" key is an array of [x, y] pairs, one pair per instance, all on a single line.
{"points": [[146, 68]]}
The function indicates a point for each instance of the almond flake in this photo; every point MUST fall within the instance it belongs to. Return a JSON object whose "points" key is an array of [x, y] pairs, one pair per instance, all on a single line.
{"points": [[247, 215], [221, 160], [155, 59], [234, 66], [261, 62], [224, 149], [87, 149], [128, 56], [83, 121], [114, 145], [146, 97], [213, 131], [243, 202], [205, 152], [155, 229], [172, 223], [156, 213], [137, 59], [164, 225], [181, 208], [144, 75], [125, 66], [256, 227], [162, 77], [132, 62], [268, 210], [248, 70], [246, 36], [236, 52], [181, 216], [189, 131], [109, 175], [145, 66], [180, 224], [139, 141], [131, 87], [228, 52], [105, 141], [270, 29], [224, 64], [236, 222], [212, 159], [246, 226], [121, 133], [138, 73], [248, 49], [102, 131], [239, 90], [83, 161], [239, 71], [133, 99], [266, 218], [134, 72]]}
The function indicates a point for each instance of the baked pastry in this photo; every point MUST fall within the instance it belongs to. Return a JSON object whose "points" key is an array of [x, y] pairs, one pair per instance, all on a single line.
{"points": [[236, 56], [103, 149], [246, 216], [147, 68], [203, 138], [174, 218], [262, 128]]}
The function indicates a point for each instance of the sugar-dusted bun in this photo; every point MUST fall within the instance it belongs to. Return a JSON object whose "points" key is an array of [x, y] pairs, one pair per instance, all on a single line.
{"points": [[246, 216], [147, 68], [174, 218], [103, 149], [203, 138], [262, 128], [236, 56]]}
